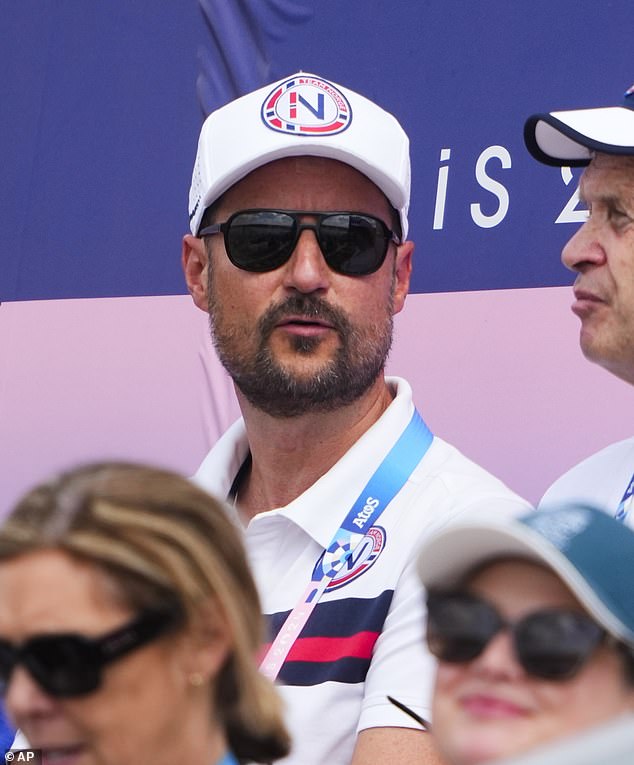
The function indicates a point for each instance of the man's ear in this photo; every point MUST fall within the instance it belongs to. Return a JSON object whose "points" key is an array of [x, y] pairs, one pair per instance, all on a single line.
{"points": [[402, 273], [195, 262]]}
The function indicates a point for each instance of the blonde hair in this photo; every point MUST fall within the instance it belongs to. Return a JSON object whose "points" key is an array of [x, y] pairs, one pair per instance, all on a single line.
{"points": [[163, 540]]}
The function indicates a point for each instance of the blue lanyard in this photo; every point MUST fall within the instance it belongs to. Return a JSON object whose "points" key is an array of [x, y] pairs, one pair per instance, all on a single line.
{"points": [[228, 759], [626, 502], [383, 486], [388, 479]]}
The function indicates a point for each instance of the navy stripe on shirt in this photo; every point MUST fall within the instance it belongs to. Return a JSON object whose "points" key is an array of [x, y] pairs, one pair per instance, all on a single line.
{"points": [[336, 643]]}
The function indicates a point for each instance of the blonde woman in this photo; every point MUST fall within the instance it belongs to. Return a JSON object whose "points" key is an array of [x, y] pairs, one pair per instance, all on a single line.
{"points": [[129, 625]]}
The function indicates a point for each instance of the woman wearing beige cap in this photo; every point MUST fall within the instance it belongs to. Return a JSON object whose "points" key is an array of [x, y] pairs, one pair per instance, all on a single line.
{"points": [[532, 623]]}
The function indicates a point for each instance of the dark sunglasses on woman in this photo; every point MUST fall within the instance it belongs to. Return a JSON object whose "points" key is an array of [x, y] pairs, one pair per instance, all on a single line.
{"points": [[551, 644], [67, 664], [352, 243]]}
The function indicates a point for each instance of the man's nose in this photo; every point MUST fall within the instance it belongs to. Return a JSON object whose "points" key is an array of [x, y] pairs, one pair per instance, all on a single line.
{"points": [[584, 250], [307, 270]]}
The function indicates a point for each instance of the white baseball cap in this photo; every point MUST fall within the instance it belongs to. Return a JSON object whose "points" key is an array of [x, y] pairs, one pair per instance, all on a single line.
{"points": [[571, 137], [301, 115]]}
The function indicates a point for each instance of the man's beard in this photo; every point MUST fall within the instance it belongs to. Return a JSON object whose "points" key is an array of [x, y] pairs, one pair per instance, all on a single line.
{"points": [[281, 392]]}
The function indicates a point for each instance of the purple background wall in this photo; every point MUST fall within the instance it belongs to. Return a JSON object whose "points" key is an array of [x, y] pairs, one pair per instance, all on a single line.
{"points": [[101, 109]]}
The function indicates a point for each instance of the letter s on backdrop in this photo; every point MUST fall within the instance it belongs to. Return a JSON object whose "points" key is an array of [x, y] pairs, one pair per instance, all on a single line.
{"points": [[496, 188]]}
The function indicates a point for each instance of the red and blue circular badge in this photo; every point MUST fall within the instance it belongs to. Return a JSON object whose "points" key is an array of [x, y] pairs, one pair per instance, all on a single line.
{"points": [[363, 557], [306, 106]]}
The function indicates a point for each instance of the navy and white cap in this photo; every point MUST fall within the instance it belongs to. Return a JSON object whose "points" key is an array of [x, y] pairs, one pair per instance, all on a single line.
{"points": [[571, 137], [301, 115], [591, 552]]}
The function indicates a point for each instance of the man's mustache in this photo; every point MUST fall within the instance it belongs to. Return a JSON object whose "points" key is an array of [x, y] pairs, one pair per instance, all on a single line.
{"points": [[305, 306]]}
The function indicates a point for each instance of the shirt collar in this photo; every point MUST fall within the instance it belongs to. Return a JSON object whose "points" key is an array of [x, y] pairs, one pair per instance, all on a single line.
{"points": [[321, 508]]}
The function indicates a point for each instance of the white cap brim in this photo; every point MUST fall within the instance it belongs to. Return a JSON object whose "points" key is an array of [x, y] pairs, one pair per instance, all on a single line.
{"points": [[572, 137]]}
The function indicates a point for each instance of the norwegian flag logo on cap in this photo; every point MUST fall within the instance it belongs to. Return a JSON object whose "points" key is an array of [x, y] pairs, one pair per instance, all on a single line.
{"points": [[306, 106]]}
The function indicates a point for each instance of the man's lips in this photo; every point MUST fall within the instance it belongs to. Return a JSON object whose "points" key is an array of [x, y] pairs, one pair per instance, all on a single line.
{"points": [[585, 302], [305, 325]]}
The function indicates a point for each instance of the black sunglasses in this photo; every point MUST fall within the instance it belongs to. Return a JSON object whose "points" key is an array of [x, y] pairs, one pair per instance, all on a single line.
{"points": [[67, 665], [552, 644], [352, 243]]}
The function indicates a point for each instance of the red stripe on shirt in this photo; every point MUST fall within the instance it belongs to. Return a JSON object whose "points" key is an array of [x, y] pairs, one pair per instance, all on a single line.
{"points": [[323, 649]]}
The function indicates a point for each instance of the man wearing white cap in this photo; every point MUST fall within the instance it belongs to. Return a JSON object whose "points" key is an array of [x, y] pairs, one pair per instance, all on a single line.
{"points": [[602, 255], [299, 252]]}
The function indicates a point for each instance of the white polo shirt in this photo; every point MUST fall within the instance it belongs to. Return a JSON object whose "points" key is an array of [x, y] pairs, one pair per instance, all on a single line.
{"points": [[364, 640], [600, 480]]}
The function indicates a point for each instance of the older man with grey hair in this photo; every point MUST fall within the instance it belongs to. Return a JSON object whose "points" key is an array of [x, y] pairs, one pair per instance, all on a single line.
{"points": [[601, 253]]}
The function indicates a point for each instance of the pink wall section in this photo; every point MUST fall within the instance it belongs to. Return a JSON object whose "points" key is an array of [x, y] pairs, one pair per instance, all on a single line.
{"points": [[497, 373], [93, 379]]}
